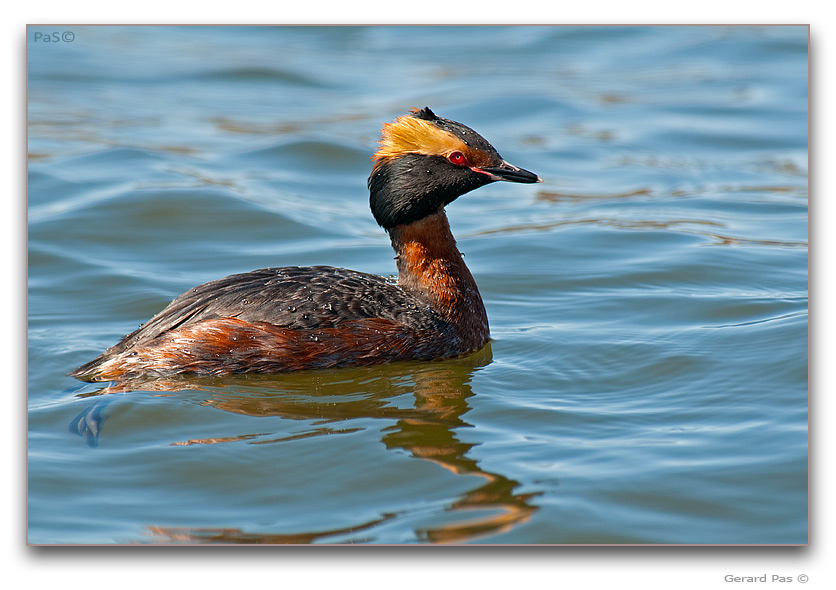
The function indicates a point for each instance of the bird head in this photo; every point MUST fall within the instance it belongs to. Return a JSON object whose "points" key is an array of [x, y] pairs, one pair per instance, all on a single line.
{"points": [[424, 162]]}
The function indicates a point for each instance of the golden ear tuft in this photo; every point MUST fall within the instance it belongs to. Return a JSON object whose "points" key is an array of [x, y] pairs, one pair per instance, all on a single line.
{"points": [[410, 135]]}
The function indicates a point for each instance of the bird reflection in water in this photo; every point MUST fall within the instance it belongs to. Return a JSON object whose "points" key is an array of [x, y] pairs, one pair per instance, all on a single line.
{"points": [[427, 430]]}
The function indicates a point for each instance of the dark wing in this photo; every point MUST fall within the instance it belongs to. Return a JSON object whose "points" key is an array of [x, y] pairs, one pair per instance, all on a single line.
{"points": [[301, 298]]}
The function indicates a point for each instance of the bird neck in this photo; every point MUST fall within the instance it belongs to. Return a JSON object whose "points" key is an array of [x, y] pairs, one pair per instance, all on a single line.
{"points": [[430, 265]]}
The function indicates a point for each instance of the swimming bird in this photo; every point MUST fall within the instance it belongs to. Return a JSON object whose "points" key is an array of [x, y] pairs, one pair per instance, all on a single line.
{"points": [[276, 320]]}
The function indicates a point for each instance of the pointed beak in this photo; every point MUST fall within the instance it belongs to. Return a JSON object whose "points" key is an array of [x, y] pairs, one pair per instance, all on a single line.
{"points": [[510, 173]]}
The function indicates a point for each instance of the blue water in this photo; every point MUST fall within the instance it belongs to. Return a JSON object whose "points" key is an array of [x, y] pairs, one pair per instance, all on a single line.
{"points": [[647, 377]]}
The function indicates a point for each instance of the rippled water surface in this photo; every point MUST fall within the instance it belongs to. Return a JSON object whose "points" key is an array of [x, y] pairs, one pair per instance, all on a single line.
{"points": [[647, 377]]}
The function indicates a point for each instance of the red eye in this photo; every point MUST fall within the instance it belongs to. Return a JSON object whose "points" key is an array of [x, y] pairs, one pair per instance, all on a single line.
{"points": [[457, 158]]}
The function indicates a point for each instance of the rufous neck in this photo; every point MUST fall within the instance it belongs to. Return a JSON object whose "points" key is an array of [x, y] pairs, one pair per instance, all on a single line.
{"points": [[430, 265]]}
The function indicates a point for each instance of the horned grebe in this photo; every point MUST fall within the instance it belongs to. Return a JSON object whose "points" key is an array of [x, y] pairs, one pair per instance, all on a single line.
{"points": [[286, 319]]}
